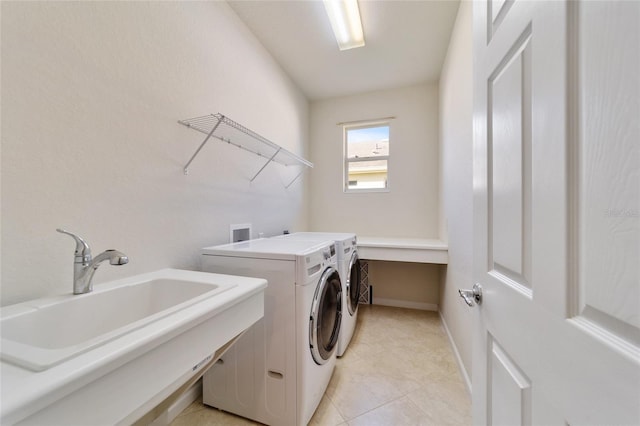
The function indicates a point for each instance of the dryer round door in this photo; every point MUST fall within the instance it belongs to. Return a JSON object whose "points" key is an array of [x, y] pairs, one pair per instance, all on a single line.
{"points": [[326, 315], [353, 284]]}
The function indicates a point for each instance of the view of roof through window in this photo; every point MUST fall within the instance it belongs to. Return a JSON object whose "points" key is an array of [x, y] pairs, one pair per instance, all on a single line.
{"points": [[367, 152], [368, 142]]}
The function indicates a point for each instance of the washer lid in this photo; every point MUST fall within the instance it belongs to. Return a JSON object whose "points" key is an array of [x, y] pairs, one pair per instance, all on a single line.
{"points": [[345, 241], [268, 248]]}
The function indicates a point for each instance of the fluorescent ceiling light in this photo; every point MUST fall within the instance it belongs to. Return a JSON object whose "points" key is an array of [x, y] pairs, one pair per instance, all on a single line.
{"points": [[345, 21]]}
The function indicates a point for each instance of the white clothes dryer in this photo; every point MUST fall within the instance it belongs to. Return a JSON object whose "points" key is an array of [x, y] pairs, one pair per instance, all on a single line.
{"points": [[277, 372], [349, 270]]}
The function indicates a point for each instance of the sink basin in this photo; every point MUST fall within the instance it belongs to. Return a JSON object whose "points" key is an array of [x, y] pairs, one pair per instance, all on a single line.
{"points": [[59, 329], [149, 334]]}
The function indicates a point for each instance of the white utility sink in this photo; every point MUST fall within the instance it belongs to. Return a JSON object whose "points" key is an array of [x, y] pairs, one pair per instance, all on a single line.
{"points": [[153, 331], [50, 333]]}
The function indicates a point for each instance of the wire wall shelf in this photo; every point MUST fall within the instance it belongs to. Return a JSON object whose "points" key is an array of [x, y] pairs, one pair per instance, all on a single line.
{"points": [[226, 130]]}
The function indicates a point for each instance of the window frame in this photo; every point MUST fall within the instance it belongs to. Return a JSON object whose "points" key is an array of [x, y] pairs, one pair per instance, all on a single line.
{"points": [[346, 161]]}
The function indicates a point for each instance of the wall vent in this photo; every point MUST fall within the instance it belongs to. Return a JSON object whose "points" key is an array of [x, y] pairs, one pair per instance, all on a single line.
{"points": [[239, 232]]}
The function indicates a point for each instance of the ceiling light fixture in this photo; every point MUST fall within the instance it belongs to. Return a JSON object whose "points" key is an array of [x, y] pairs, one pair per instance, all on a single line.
{"points": [[345, 21]]}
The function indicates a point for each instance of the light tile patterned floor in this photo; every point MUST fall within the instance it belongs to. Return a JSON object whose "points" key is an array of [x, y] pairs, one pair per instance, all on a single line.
{"points": [[399, 370]]}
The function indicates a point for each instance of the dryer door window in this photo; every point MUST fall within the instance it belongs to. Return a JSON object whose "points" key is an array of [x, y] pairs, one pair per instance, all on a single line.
{"points": [[326, 315], [353, 284]]}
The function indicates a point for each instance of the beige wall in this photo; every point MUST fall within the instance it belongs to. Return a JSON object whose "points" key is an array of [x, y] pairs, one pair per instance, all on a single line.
{"points": [[91, 95], [409, 209], [456, 143], [405, 284]]}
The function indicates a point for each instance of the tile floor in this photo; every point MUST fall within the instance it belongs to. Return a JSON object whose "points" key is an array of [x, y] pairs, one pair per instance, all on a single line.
{"points": [[399, 369]]}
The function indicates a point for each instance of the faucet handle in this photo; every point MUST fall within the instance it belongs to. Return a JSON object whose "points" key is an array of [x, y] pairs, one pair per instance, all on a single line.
{"points": [[82, 248]]}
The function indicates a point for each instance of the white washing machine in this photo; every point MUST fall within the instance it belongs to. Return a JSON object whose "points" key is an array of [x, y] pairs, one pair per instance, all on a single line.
{"points": [[349, 269], [277, 372]]}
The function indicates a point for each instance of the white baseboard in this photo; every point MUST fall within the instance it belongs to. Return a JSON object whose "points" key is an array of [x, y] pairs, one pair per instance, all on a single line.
{"points": [[405, 304], [463, 371]]}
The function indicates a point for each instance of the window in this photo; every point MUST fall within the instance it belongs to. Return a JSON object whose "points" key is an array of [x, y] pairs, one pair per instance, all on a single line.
{"points": [[366, 159]]}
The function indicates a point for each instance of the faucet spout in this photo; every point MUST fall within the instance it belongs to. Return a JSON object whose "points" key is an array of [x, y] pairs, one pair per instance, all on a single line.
{"points": [[84, 266], [83, 281], [113, 256]]}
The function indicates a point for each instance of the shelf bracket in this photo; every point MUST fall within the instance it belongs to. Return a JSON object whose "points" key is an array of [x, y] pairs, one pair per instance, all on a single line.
{"points": [[295, 178], [221, 127], [186, 167], [266, 164]]}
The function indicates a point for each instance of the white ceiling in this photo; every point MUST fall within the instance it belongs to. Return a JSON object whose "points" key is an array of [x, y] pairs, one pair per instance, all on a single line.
{"points": [[406, 42]]}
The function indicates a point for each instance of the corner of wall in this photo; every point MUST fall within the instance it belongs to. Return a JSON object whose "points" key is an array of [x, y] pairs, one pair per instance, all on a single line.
{"points": [[456, 189]]}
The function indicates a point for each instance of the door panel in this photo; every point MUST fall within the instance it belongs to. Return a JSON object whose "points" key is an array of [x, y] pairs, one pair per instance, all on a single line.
{"points": [[556, 222], [608, 194], [508, 140], [497, 10], [510, 389]]}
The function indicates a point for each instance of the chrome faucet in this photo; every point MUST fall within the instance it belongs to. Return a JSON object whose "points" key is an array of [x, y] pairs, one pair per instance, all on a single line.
{"points": [[84, 266]]}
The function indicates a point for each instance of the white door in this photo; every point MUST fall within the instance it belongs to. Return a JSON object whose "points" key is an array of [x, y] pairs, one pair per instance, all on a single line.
{"points": [[557, 212]]}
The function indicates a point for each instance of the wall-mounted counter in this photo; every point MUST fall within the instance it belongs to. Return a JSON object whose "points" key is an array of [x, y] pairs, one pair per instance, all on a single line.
{"points": [[420, 250], [412, 284]]}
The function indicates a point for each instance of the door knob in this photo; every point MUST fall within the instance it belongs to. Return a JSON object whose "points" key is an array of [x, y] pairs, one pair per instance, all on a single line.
{"points": [[473, 295]]}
